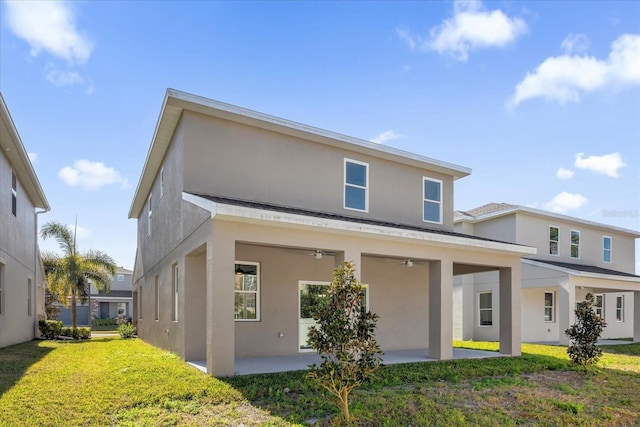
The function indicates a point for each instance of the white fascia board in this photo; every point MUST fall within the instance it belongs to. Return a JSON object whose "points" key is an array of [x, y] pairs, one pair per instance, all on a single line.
{"points": [[579, 273], [244, 115], [242, 213], [110, 299]]}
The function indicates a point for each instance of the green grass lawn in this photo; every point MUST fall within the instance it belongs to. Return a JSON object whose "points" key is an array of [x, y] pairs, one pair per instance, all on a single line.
{"points": [[127, 382]]}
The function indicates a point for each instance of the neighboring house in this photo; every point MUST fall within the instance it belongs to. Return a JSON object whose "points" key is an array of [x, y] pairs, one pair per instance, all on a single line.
{"points": [[242, 216], [574, 257], [21, 272], [118, 300]]}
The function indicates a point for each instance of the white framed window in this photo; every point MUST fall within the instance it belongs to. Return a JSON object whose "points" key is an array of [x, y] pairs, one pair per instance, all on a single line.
{"points": [[174, 292], [598, 305], [150, 215], [549, 307], [157, 298], [575, 244], [356, 185], [120, 277], [606, 248], [14, 194], [554, 239], [247, 291], [29, 291], [431, 200], [485, 309], [140, 305], [161, 182], [620, 308]]}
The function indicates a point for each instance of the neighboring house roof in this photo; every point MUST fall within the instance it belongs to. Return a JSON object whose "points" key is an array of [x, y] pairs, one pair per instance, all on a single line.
{"points": [[113, 294], [580, 268], [122, 270], [495, 210], [331, 216], [12, 147], [175, 102]]}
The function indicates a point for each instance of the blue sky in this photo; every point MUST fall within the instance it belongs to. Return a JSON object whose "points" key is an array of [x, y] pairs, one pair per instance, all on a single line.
{"points": [[540, 99]]}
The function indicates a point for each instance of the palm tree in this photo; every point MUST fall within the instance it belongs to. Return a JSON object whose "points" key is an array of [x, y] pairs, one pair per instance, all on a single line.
{"points": [[74, 272]]}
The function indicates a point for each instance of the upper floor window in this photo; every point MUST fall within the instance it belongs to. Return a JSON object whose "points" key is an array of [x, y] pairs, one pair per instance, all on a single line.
{"points": [[174, 292], [549, 307], [606, 249], [150, 214], [599, 305], [485, 308], [161, 182], [554, 238], [247, 291], [432, 200], [575, 244], [14, 194], [120, 277], [356, 185]]}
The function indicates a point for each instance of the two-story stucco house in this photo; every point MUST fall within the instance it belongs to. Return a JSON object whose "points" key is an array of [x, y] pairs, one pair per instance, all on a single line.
{"points": [[574, 257], [242, 215], [99, 305], [21, 272]]}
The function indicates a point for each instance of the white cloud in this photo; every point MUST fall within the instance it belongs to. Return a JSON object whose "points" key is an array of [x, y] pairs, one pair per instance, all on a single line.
{"points": [[48, 26], [33, 157], [563, 173], [564, 78], [564, 201], [607, 164], [385, 136], [575, 43], [91, 175], [64, 78], [470, 27]]}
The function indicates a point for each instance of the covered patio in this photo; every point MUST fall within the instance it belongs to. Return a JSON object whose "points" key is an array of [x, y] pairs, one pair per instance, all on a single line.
{"points": [[299, 362]]}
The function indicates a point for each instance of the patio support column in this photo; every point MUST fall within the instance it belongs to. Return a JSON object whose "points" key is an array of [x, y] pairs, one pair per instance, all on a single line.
{"points": [[636, 317], [352, 254], [441, 309], [566, 308], [510, 317], [220, 304]]}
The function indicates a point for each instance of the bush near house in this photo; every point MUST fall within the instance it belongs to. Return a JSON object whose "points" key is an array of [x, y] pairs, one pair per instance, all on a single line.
{"points": [[585, 333], [50, 328]]}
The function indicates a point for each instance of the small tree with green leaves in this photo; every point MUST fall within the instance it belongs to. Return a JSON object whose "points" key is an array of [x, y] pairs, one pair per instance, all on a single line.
{"points": [[585, 333], [344, 337]]}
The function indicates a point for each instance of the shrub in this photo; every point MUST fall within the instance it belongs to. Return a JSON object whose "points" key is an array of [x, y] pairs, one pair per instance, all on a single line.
{"points": [[585, 333], [50, 328], [126, 330], [76, 333], [344, 338]]}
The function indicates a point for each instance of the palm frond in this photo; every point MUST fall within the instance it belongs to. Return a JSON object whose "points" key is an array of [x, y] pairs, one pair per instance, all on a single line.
{"points": [[62, 234]]}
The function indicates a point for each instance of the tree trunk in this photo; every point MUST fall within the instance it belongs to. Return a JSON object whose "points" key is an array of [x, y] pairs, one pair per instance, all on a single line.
{"points": [[74, 316], [344, 398]]}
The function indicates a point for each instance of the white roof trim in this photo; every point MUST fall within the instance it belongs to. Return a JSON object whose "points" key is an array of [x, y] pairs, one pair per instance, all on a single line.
{"points": [[578, 272], [176, 101], [463, 217], [243, 213]]}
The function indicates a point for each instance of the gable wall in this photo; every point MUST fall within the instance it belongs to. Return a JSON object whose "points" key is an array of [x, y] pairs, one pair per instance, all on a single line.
{"points": [[228, 159]]}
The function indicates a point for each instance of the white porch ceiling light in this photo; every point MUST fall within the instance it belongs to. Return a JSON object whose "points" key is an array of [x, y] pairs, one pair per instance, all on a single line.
{"points": [[318, 254], [408, 263]]}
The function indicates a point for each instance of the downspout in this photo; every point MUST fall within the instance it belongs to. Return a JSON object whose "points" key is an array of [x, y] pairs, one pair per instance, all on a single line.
{"points": [[35, 274]]}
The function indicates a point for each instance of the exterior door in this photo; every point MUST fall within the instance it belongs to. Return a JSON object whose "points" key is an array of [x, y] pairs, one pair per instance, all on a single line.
{"points": [[309, 295]]}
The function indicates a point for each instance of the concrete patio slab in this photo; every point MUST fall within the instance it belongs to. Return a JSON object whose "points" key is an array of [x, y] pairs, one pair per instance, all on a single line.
{"points": [[298, 362]]}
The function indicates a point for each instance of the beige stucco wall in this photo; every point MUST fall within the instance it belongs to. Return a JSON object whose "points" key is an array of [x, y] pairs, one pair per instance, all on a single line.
{"points": [[17, 262], [534, 231], [238, 161]]}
